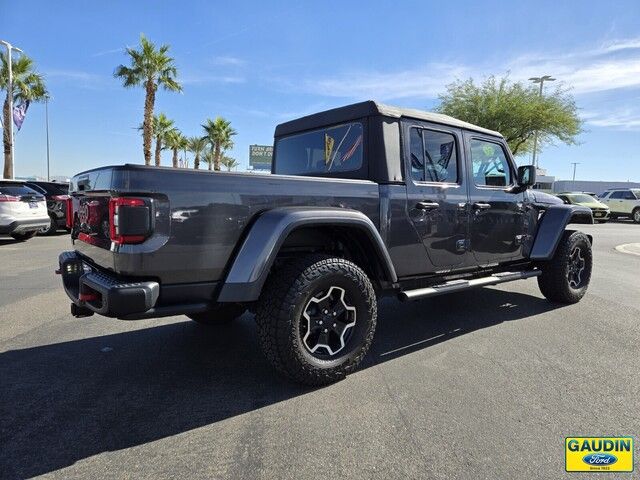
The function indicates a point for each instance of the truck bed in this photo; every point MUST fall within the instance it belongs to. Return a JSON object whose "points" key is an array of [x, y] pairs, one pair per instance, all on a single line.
{"points": [[198, 217]]}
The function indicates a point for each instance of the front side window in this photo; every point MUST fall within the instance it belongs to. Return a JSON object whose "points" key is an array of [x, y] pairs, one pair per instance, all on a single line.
{"points": [[433, 156], [490, 165], [322, 151]]}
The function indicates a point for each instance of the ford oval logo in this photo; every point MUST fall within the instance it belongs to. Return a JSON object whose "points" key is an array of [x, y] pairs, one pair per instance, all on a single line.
{"points": [[599, 459]]}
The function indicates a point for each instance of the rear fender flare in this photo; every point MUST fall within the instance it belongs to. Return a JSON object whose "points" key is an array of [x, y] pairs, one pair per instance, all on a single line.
{"points": [[258, 251], [553, 224]]}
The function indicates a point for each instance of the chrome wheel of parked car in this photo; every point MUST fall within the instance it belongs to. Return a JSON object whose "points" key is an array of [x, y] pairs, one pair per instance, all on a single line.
{"points": [[327, 322], [577, 265], [636, 215]]}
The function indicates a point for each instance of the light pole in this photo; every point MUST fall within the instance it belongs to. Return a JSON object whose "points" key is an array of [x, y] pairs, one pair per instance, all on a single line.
{"points": [[540, 80], [46, 115], [10, 47], [573, 182]]}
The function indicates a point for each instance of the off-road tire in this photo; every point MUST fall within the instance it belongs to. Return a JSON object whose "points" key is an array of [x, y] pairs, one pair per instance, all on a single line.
{"points": [[21, 237], [221, 314], [51, 229], [636, 215], [554, 283], [285, 297]]}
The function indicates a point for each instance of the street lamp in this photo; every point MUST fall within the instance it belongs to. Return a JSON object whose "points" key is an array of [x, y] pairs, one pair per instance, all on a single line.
{"points": [[9, 48], [540, 80], [573, 182], [46, 114]]}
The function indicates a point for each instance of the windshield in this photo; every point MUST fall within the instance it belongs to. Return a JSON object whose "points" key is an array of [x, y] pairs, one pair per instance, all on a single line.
{"points": [[326, 150], [581, 198]]}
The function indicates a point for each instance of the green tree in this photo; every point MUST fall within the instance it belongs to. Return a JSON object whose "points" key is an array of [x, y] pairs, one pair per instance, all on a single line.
{"points": [[219, 133], [28, 85], [162, 126], [208, 157], [151, 67], [175, 141], [229, 162], [515, 110], [197, 146]]}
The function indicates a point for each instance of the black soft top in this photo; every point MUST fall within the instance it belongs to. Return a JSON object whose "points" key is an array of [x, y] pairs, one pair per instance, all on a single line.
{"points": [[370, 108]]}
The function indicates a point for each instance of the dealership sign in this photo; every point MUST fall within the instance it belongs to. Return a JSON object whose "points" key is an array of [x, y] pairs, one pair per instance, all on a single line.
{"points": [[260, 156]]}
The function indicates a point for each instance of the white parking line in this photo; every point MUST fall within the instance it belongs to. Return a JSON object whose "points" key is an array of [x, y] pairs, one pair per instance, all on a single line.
{"points": [[630, 248]]}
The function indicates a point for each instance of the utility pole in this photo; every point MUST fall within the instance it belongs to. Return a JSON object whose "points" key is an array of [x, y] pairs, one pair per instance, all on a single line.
{"points": [[573, 182], [9, 48], [540, 80], [46, 114]]}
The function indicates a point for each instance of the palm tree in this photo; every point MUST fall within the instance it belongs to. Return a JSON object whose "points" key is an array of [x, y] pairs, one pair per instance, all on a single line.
{"points": [[174, 141], [197, 146], [208, 157], [219, 133], [150, 67], [161, 128], [27, 85], [229, 162]]}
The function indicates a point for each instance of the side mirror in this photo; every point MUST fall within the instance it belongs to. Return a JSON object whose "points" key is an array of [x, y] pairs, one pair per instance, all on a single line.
{"points": [[526, 176]]}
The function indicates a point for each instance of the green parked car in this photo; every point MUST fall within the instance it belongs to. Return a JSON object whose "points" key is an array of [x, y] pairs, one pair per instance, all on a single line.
{"points": [[600, 210]]}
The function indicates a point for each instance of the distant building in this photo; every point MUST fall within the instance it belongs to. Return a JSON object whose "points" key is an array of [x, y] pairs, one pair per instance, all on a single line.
{"points": [[595, 186], [543, 181]]}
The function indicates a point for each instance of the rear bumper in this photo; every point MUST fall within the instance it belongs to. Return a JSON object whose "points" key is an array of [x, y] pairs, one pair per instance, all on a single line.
{"points": [[96, 291], [23, 226]]}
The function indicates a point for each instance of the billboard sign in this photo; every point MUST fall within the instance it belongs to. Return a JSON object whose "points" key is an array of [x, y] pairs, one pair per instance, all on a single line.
{"points": [[260, 156]]}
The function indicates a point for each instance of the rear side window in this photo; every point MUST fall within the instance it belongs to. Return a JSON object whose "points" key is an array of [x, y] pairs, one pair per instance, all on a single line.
{"points": [[15, 189], [617, 195], [322, 151], [490, 165], [433, 156]]}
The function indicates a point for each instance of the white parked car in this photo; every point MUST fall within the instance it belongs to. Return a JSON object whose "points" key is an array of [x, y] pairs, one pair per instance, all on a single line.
{"points": [[23, 211], [623, 202]]}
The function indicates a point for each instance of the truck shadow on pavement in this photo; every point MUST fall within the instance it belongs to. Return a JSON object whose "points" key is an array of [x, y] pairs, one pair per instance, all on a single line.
{"points": [[64, 402]]}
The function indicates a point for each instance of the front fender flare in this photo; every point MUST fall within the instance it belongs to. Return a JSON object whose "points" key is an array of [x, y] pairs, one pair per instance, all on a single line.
{"points": [[552, 225], [260, 247]]}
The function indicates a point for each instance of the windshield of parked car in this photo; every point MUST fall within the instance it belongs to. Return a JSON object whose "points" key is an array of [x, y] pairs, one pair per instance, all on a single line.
{"points": [[326, 150], [581, 198]]}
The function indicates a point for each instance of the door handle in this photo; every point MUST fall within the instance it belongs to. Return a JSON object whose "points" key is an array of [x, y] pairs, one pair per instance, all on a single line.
{"points": [[481, 206], [427, 205]]}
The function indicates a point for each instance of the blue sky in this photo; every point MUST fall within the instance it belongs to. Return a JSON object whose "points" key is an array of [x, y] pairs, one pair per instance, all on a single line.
{"points": [[261, 63]]}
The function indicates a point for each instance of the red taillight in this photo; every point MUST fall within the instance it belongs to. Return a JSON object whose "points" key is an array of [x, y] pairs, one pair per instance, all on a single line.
{"points": [[9, 198], [114, 232], [69, 212]]}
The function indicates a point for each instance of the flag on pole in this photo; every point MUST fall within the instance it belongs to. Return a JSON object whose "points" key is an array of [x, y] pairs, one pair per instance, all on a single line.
{"points": [[19, 112]]}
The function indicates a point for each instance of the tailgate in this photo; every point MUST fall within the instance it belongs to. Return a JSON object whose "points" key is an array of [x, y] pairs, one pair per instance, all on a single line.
{"points": [[108, 217]]}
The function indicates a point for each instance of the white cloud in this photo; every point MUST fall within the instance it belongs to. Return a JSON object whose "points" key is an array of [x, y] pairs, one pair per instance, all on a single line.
{"points": [[610, 66], [204, 79], [108, 52], [228, 61], [623, 118], [79, 78]]}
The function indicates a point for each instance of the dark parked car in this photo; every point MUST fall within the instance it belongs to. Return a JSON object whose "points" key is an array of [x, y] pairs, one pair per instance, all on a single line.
{"points": [[57, 195], [364, 200]]}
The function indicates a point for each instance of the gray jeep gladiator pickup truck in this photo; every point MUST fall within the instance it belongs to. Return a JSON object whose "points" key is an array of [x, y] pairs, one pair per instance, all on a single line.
{"points": [[364, 200]]}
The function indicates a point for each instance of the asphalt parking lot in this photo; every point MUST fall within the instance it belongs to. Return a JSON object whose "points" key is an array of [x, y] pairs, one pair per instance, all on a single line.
{"points": [[483, 384]]}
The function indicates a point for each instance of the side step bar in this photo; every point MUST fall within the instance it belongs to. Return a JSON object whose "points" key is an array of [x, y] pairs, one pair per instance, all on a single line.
{"points": [[459, 285]]}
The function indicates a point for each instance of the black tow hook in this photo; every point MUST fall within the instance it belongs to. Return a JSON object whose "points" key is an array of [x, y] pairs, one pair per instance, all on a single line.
{"points": [[80, 312]]}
